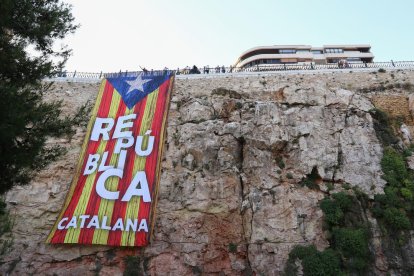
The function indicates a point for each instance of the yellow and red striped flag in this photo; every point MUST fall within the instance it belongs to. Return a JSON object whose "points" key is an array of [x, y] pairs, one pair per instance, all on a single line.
{"points": [[112, 198]]}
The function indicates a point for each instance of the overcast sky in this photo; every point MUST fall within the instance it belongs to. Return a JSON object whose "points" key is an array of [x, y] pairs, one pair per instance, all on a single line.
{"points": [[126, 34]]}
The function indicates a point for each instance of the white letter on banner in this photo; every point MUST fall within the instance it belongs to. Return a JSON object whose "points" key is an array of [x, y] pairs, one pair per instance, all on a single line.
{"points": [[104, 226], [72, 223], [99, 129], [140, 177], [138, 144], [122, 144], [118, 225], [83, 217], [120, 124], [91, 164], [143, 225], [60, 226], [94, 222], [100, 185], [121, 160], [102, 166], [131, 225]]}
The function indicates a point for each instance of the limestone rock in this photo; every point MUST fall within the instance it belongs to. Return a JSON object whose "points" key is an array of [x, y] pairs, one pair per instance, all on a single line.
{"points": [[231, 200]]}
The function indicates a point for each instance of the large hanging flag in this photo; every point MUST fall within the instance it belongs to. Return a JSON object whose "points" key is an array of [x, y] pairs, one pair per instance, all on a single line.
{"points": [[113, 194]]}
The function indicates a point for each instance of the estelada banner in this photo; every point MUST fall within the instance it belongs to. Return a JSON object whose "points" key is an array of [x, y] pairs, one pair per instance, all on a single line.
{"points": [[112, 197]]}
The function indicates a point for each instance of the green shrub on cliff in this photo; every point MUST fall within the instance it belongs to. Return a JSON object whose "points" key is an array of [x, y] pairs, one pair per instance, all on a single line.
{"points": [[382, 127], [348, 252], [397, 219], [349, 232], [333, 213], [395, 207], [314, 262], [353, 246], [394, 168], [335, 207]]}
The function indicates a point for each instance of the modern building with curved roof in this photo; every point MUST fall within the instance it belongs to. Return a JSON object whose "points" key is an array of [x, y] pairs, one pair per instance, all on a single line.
{"points": [[296, 54]]}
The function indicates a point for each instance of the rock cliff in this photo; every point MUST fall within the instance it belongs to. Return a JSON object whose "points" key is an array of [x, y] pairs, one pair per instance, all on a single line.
{"points": [[232, 199]]}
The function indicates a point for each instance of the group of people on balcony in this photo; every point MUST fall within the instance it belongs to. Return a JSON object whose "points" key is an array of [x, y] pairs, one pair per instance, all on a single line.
{"points": [[343, 63]]}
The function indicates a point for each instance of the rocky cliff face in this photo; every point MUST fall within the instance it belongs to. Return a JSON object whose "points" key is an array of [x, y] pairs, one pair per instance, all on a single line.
{"points": [[231, 196]]}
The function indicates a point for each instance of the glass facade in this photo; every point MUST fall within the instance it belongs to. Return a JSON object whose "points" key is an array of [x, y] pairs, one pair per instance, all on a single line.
{"points": [[287, 51], [263, 61], [273, 61], [334, 50]]}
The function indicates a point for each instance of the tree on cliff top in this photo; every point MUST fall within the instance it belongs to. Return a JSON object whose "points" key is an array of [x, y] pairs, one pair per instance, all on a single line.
{"points": [[25, 121]]}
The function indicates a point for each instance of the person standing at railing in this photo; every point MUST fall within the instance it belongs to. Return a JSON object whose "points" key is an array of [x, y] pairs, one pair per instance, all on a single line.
{"points": [[223, 69], [194, 70]]}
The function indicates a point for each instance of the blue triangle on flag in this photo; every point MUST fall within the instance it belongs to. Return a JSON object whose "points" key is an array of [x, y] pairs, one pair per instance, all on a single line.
{"points": [[134, 88]]}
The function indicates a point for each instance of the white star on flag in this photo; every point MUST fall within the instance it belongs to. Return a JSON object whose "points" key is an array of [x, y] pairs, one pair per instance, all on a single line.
{"points": [[137, 84]]}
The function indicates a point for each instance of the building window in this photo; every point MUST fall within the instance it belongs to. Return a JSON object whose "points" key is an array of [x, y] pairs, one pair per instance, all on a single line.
{"points": [[334, 51], [317, 52], [287, 51]]}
